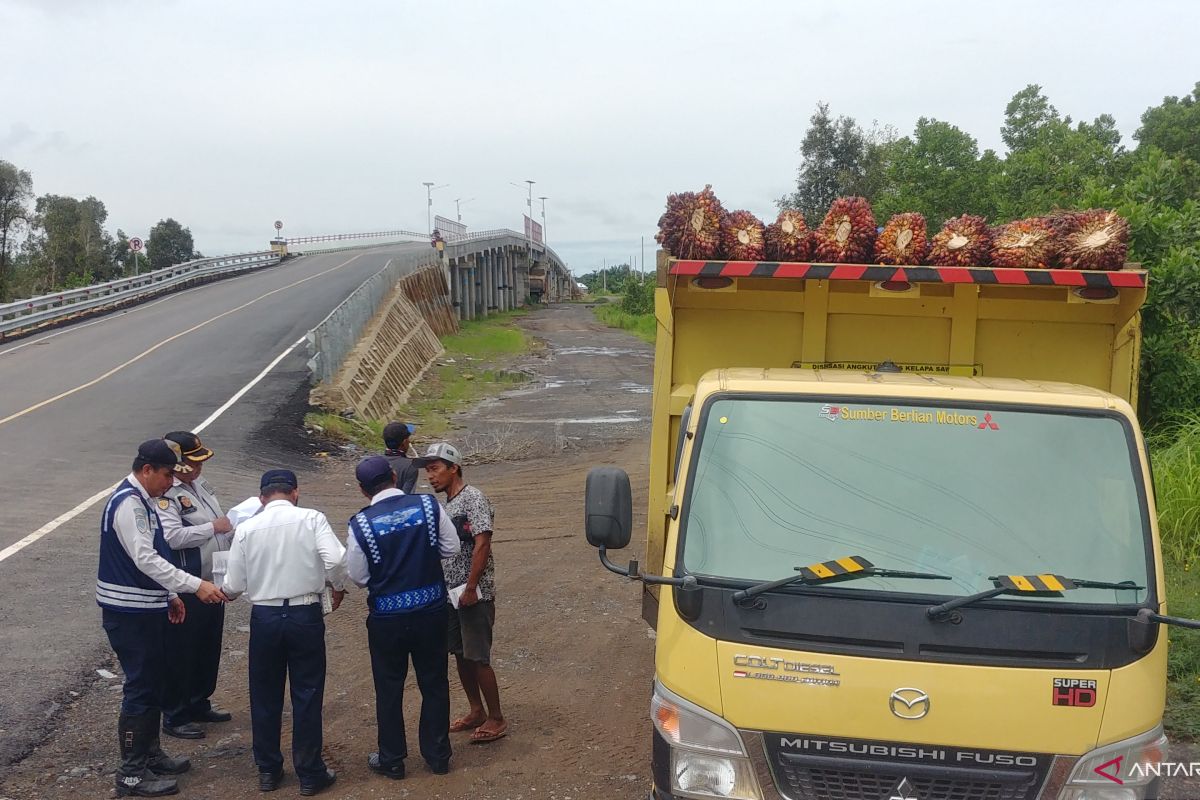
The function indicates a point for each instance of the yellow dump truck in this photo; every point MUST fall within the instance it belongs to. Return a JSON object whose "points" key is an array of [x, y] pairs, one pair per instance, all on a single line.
{"points": [[901, 538]]}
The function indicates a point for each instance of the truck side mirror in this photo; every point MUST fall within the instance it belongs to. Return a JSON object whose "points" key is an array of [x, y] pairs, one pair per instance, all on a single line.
{"points": [[608, 508]]}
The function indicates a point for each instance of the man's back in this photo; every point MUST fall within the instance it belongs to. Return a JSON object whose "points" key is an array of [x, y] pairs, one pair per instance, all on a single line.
{"points": [[284, 551]]}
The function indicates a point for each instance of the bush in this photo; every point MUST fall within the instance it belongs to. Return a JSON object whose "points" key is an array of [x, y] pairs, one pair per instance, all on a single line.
{"points": [[637, 298]]}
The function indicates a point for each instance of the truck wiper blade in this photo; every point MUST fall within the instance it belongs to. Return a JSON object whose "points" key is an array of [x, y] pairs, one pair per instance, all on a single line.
{"points": [[1045, 584], [842, 569]]}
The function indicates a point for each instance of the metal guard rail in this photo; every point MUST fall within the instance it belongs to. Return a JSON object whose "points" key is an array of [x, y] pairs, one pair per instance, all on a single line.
{"points": [[22, 315]]}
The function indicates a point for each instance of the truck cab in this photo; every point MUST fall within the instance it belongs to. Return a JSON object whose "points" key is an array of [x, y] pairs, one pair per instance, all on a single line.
{"points": [[901, 540]]}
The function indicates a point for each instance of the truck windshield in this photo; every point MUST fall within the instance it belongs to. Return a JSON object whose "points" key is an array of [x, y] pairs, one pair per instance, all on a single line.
{"points": [[962, 491]]}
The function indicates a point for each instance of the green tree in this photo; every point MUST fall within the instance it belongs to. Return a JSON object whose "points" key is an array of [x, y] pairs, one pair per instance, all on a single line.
{"points": [[16, 190], [1174, 126], [1027, 113], [838, 159], [1050, 163], [70, 246], [170, 244], [939, 172]]}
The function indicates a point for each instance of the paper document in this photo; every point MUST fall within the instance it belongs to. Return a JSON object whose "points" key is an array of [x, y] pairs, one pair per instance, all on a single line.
{"points": [[244, 511], [456, 593]]}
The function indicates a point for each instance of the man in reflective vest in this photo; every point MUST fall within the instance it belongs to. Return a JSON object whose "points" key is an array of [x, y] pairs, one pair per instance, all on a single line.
{"points": [[137, 588], [395, 548]]}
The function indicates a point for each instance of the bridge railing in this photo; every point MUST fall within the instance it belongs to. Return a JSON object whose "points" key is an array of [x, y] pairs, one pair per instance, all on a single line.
{"points": [[22, 315]]}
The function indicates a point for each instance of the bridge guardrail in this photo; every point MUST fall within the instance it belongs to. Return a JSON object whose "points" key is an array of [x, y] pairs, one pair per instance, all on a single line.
{"points": [[22, 315]]}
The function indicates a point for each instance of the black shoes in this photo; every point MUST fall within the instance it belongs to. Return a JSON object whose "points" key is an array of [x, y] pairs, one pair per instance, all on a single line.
{"points": [[188, 730], [311, 786], [137, 737], [213, 714], [395, 772], [439, 767], [269, 781]]}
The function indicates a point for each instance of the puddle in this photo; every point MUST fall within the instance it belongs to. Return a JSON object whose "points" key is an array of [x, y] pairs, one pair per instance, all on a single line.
{"points": [[597, 351], [635, 388]]}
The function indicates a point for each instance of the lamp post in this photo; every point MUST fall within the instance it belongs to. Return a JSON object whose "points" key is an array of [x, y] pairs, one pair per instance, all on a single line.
{"points": [[458, 203], [545, 238], [429, 187]]}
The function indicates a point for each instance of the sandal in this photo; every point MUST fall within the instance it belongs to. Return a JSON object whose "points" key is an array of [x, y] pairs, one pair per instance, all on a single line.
{"points": [[467, 723], [481, 736]]}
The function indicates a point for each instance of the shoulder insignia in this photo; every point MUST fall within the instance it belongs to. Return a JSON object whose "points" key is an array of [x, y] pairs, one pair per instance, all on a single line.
{"points": [[164, 503]]}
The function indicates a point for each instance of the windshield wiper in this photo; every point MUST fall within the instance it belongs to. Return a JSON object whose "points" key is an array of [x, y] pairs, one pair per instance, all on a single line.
{"points": [[842, 569], [1044, 584]]}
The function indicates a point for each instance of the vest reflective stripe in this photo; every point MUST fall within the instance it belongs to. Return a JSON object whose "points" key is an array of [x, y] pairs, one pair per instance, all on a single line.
{"points": [[120, 585], [399, 537]]}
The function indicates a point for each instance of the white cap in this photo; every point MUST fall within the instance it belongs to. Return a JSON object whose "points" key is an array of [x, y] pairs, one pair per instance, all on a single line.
{"points": [[443, 451]]}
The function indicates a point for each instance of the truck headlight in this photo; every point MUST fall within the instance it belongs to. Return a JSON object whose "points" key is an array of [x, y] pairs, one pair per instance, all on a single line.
{"points": [[1124, 770], [708, 758]]}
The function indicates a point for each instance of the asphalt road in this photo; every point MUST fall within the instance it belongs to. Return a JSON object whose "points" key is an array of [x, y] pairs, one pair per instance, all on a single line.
{"points": [[75, 403]]}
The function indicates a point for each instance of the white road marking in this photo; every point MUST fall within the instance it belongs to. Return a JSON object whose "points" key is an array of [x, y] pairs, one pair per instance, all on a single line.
{"points": [[63, 519], [166, 341]]}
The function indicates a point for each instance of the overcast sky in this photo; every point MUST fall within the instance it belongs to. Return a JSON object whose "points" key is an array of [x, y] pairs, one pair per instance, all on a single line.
{"points": [[229, 114]]}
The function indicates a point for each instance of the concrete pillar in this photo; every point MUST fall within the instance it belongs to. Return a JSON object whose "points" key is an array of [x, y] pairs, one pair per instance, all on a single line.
{"points": [[472, 293], [480, 309], [489, 260], [455, 290]]}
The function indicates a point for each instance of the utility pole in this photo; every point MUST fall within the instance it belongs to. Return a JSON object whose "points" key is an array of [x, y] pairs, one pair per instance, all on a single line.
{"points": [[643, 259], [429, 187], [545, 236], [458, 206]]}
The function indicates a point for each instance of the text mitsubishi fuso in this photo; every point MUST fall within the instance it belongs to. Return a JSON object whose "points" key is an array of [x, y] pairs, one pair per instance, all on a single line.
{"points": [[901, 535]]}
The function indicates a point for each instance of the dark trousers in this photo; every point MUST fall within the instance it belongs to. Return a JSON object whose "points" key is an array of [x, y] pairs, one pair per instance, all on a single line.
{"points": [[393, 641], [139, 642], [287, 643], [195, 648]]}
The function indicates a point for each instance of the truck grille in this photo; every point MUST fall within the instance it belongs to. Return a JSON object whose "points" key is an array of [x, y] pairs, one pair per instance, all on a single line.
{"points": [[818, 768], [828, 784]]}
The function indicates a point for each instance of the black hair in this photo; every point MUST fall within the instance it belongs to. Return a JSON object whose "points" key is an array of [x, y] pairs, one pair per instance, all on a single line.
{"points": [[276, 488], [452, 465]]}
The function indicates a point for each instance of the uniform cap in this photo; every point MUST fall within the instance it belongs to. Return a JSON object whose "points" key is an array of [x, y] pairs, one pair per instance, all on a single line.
{"points": [[278, 478], [190, 444], [371, 470]]}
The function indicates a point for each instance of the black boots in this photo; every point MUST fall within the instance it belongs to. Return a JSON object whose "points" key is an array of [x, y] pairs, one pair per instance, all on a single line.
{"points": [[138, 736], [160, 763]]}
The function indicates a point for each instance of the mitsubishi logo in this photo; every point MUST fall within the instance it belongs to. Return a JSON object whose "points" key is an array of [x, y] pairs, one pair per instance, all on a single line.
{"points": [[909, 703], [904, 791]]}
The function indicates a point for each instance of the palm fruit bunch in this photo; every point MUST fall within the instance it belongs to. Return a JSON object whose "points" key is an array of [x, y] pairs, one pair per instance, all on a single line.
{"points": [[1025, 244], [903, 240], [691, 225], [1092, 239], [847, 234], [741, 236], [964, 241], [788, 238]]}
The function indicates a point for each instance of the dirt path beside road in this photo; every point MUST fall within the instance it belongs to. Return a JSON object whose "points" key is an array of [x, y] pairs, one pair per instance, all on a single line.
{"points": [[572, 655]]}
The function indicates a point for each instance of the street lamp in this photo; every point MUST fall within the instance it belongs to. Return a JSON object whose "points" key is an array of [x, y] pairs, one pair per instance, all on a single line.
{"points": [[545, 238], [458, 206], [429, 187]]}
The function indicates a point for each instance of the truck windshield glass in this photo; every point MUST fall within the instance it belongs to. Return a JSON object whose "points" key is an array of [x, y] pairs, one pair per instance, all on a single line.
{"points": [[959, 491]]}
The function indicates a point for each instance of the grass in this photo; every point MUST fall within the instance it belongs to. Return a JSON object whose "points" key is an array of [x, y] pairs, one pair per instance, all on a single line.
{"points": [[1175, 452], [473, 367], [642, 326]]}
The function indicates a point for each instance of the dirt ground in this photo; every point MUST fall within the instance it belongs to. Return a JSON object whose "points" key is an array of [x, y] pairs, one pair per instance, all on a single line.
{"points": [[572, 655]]}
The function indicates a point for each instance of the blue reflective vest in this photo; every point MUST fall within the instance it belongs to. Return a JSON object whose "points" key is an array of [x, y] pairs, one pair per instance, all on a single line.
{"points": [[399, 537], [120, 585]]}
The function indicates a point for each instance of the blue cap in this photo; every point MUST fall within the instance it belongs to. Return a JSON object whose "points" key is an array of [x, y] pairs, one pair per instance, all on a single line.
{"points": [[371, 469], [278, 477]]}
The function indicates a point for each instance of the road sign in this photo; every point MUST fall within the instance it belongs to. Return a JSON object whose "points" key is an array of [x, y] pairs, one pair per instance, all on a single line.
{"points": [[278, 224], [135, 244]]}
